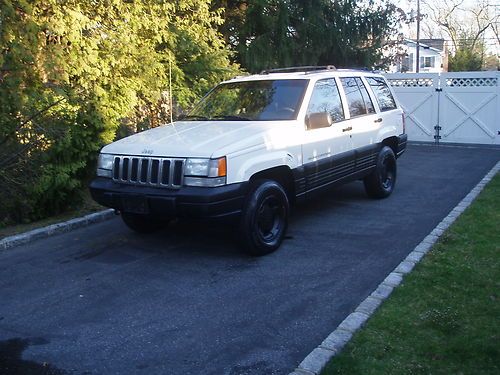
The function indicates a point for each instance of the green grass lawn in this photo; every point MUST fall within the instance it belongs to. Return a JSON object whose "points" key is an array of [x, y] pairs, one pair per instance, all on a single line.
{"points": [[445, 317]]}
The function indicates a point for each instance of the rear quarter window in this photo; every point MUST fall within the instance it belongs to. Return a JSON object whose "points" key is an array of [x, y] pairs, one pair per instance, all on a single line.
{"points": [[382, 92]]}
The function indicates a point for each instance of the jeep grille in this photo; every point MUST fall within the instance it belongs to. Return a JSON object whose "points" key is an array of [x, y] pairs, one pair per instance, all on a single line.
{"points": [[137, 170]]}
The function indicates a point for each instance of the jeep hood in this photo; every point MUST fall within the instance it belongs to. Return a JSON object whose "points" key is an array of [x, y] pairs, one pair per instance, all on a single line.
{"points": [[195, 138]]}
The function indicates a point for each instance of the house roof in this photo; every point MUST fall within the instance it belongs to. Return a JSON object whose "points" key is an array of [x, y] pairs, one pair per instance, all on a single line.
{"points": [[434, 43], [427, 45]]}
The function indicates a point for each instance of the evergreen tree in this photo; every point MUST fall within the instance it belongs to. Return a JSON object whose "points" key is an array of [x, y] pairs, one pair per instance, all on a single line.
{"points": [[280, 33]]}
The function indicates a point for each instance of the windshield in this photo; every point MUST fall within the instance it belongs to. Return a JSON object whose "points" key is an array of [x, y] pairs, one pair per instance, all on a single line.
{"points": [[251, 100]]}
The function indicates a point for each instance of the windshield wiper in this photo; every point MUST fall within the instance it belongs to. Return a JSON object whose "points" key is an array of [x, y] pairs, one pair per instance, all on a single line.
{"points": [[194, 117], [230, 117]]}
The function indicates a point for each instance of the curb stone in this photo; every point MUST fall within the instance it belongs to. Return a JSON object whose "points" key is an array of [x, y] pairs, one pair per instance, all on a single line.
{"points": [[50, 230], [317, 360]]}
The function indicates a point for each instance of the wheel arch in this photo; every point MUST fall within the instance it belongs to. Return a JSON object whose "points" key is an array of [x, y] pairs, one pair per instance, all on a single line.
{"points": [[281, 174], [391, 142]]}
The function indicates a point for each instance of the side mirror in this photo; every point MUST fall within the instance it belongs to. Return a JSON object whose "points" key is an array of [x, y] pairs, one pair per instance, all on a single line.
{"points": [[318, 120]]}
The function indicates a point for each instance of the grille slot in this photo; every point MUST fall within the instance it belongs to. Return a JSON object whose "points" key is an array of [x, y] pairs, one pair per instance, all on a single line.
{"points": [[136, 170]]}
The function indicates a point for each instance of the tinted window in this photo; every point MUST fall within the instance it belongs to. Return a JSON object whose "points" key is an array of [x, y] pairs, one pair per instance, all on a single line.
{"points": [[382, 92], [252, 100], [366, 97], [326, 98], [354, 97]]}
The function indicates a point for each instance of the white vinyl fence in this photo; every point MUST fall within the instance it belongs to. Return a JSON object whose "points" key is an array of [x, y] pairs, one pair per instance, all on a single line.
{"points": [[462, 107]]}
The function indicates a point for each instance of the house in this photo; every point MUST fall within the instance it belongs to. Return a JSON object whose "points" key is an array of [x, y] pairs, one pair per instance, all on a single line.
{"points": [[433, 57]]}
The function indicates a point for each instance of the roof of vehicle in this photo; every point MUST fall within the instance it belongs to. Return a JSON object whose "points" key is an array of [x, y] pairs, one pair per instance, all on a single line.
{"points": [[308, 73]]}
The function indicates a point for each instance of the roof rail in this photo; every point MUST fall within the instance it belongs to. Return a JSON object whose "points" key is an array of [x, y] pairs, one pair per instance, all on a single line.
{"points": [[294, 69]]}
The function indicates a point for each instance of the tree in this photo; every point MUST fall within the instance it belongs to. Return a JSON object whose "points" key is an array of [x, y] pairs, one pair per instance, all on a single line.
{"points": [[464, 60], [72, 71], [279, 33]]}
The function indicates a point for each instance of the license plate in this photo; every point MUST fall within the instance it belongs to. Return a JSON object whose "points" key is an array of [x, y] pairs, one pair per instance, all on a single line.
{"points": [[135, 204]]}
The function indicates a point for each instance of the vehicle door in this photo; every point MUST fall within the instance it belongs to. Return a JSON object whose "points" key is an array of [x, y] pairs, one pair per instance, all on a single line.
{"points": [[326, 152], [364, 122]]}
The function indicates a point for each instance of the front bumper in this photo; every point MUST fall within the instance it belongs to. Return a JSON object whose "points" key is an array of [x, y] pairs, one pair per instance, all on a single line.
{"points": [[190, 202]]}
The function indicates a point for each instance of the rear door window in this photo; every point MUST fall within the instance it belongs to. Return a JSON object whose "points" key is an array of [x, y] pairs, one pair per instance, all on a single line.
{"points": [[359, 102]]}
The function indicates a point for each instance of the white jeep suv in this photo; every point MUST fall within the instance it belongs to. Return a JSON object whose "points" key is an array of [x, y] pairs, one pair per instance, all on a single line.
{"points": [[254, 145]]}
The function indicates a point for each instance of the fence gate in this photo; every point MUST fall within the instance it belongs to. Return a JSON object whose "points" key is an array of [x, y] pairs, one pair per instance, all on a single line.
{"points": [[470, 107], [462, 107], [418, 96]]}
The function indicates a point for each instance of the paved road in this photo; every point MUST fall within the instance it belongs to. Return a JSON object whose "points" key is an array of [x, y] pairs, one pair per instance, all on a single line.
{"points": [[103, 300]]}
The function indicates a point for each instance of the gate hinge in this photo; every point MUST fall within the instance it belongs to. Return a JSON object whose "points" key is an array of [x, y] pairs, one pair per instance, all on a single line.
{"points": [[437, 127], [437, 137], [439, 90]]}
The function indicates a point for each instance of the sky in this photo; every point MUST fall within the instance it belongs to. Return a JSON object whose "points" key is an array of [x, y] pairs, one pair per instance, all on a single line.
{"points": [[427, 25]]}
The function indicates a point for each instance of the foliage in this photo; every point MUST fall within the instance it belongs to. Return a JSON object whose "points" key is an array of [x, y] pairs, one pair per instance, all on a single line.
{"points": [[280, 33], [465, 60], [72, 71]]}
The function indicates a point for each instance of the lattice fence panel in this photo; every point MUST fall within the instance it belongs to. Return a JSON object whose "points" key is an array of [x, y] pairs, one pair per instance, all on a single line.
{"points": [[411, 82], [471, 82]]}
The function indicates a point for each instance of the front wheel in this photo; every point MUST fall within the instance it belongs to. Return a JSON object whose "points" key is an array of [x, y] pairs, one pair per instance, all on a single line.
{"points": [[265, 218], [141, 223], [380, 183]]}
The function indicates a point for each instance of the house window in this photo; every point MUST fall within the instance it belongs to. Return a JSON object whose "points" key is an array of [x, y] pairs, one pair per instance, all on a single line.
{"points": [[427, 61]]}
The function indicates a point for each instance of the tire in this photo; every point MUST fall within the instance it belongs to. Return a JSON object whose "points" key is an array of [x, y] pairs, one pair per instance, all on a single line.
{"points": [[141, 223], [265, 218], [380, 183]]}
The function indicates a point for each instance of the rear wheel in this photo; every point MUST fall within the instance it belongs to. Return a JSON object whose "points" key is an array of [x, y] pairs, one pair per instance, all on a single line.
{"points": [[265, 218], [142, 223], [380, 183]]}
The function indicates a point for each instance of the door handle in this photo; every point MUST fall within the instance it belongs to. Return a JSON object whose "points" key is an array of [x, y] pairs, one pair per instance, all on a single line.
{"points": [[347, 129], [378, 120]]}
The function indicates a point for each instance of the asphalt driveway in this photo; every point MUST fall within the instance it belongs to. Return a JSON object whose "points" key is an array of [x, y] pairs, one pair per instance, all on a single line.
{"points": [[103, 300]]}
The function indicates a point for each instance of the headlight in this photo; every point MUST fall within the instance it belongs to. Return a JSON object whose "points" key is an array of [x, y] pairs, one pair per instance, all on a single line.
{"points": [[205, 172], [105, 165], [197, 167]]}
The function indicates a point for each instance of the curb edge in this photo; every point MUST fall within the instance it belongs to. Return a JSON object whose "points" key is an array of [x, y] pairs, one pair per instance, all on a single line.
{"points": [[57, 228]]}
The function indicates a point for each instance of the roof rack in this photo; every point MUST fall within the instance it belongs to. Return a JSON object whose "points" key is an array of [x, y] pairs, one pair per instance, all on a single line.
{"points": [[294, 69]]}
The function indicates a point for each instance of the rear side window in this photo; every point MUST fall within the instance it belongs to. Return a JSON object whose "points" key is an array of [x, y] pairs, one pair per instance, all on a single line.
{"points": [[384, 96], [326, 98], [358, 100]]}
